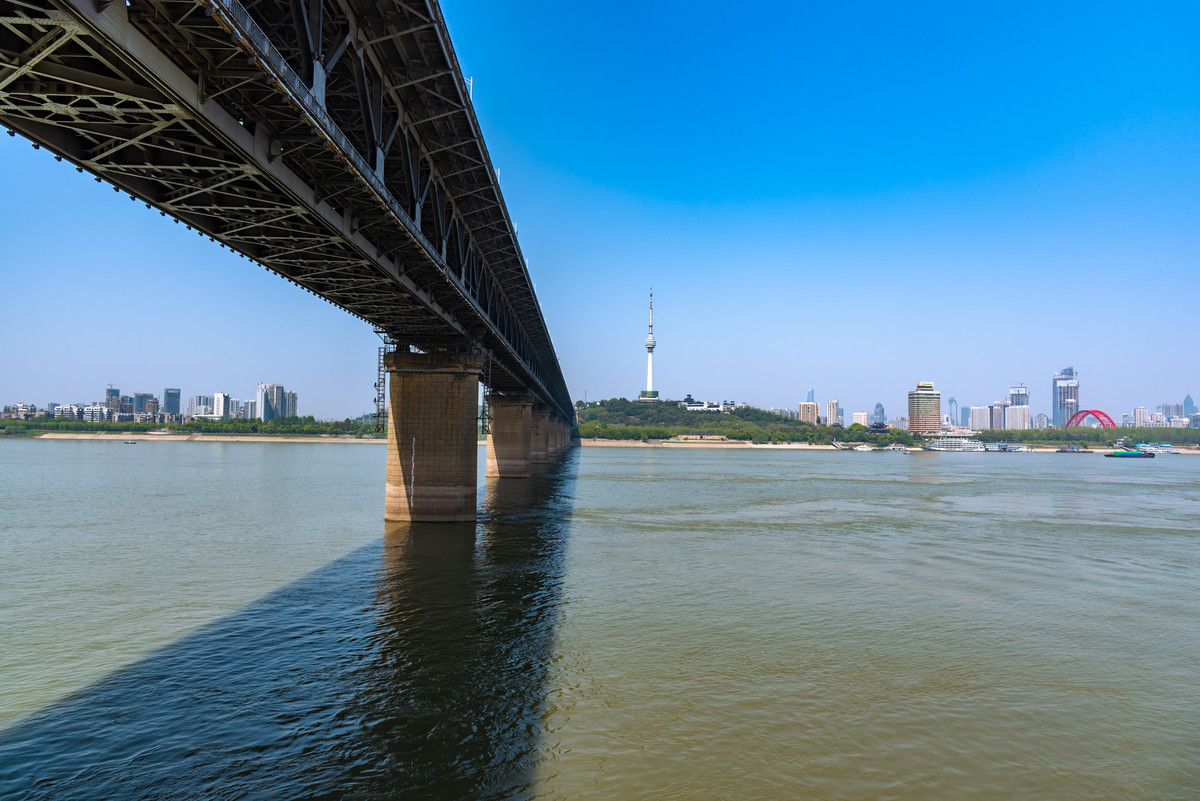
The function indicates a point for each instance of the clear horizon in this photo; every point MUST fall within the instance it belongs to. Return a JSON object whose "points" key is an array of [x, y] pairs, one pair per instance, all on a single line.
{"points": [[873, 196]]}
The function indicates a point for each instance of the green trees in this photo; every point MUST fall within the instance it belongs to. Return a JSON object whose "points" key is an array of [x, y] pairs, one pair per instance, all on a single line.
{"points": [[620, 419]]}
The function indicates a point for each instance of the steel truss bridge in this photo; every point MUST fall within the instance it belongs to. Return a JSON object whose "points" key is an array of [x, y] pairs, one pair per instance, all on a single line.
{"points": [[331, 141]]}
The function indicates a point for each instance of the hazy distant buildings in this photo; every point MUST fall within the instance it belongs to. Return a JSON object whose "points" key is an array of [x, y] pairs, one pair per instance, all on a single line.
{"points": [[271, 401], [139, 402], [112, 399], [879, 415], [1064, 396], [200, 405], [812, 396], [860, 419], [924, 409], [809, 412], [170, 403], [1018, 395], [979, 418], [1189, 405], [1041, 421]]}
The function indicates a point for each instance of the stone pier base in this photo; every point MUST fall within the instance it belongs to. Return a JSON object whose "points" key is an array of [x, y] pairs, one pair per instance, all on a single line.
{"points": [[509, 441], [432, 451]]}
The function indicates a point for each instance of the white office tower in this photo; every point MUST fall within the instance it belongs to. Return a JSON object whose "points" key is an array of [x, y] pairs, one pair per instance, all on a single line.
{"points": [[833, 413], [650, 394], [1016, 418], [860, 419], [221, 405], [980, 418]]}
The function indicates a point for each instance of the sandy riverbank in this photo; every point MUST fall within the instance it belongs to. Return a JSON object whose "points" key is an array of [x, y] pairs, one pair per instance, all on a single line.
{"points": [[152, 436]]}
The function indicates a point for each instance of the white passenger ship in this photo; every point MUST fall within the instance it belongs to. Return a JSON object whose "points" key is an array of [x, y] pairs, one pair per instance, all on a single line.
{"points": [[1155, 447], [961, 444]]}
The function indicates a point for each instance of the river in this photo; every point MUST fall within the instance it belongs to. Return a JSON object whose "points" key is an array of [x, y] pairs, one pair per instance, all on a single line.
{"points": [[234, 620]]}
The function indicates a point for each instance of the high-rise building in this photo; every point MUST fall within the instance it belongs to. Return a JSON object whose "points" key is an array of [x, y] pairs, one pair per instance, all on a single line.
{"points": [[924, 409], [125, 405], [965, 417], [812, 396], [139, 402], [170, 400], [1016, 418], [952, 410], [269, 401], [1141, 417], [112, 399], [1064, 396], [151, 405], [220, 407], [1189, 405], [980, 418], [289, 404], [860, 419], [1018, 395], [808, 412], [833, 413], [996, 422], [1041, 421], [249, 410], [879, 415]]}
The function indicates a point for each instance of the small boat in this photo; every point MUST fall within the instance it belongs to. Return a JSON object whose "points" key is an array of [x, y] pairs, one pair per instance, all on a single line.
{"points": [[1130, 455], [863, 448], [130, 442], [897, 448]]}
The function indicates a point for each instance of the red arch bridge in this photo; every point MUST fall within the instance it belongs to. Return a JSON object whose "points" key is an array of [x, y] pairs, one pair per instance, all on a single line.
{"points": [[1103, 419]]}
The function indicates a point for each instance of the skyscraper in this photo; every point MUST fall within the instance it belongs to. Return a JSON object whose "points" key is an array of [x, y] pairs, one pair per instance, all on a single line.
{"points": [[139, 402], [924, 409], [808, 412], [1064, 396], [833, 412], [649, 394], [112, 399], [980, 417], [952, 410], [289, 404], [1018, 395], [860, 419], [879, 415], [269, 401], [171, 400], [221, 404], [1189, 405]]}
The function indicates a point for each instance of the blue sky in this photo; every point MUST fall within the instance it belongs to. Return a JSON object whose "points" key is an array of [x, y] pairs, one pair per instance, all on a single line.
{"points": [[849, 197]]}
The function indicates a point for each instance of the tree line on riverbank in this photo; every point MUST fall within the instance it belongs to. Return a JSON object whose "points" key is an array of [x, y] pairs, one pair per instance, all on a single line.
{"points": [[622, 419], [1095, 436], [308, 425]]}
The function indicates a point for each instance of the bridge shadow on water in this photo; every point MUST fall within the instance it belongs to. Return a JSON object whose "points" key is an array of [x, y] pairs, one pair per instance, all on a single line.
{"points": [[413, 667]]}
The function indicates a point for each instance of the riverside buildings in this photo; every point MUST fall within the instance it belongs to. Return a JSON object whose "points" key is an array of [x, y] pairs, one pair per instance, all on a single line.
{"points": [[924, 409], [809, 411]]}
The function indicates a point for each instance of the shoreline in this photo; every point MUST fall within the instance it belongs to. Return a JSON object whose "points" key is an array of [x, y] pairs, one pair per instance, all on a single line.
{"points": [[149, 436], [1181, 450]]}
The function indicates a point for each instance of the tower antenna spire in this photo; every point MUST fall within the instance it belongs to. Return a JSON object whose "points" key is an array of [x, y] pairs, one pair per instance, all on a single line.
{"points": [[650, 394]]}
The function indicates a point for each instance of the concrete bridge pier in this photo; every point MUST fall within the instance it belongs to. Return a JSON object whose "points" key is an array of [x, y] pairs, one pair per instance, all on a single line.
{"points": [[433, 445], [540, 450], [509, 443]]}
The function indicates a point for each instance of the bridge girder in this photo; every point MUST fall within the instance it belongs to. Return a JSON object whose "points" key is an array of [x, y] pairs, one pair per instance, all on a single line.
{"points": [[331, 143]]}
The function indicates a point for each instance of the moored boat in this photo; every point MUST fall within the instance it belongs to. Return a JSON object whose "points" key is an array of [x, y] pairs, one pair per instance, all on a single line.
{"points": [[955, 444], [1130, 455]]}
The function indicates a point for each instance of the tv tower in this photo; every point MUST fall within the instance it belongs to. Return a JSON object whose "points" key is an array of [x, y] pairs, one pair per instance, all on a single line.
{"points": [[650, 394]]}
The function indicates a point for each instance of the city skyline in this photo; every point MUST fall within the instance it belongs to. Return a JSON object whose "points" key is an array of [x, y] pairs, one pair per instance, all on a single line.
{"points": [[859, 258]]}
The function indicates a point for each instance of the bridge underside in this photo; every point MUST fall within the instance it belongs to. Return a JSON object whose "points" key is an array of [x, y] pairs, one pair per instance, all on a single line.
{"points": [[330, 143]]}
